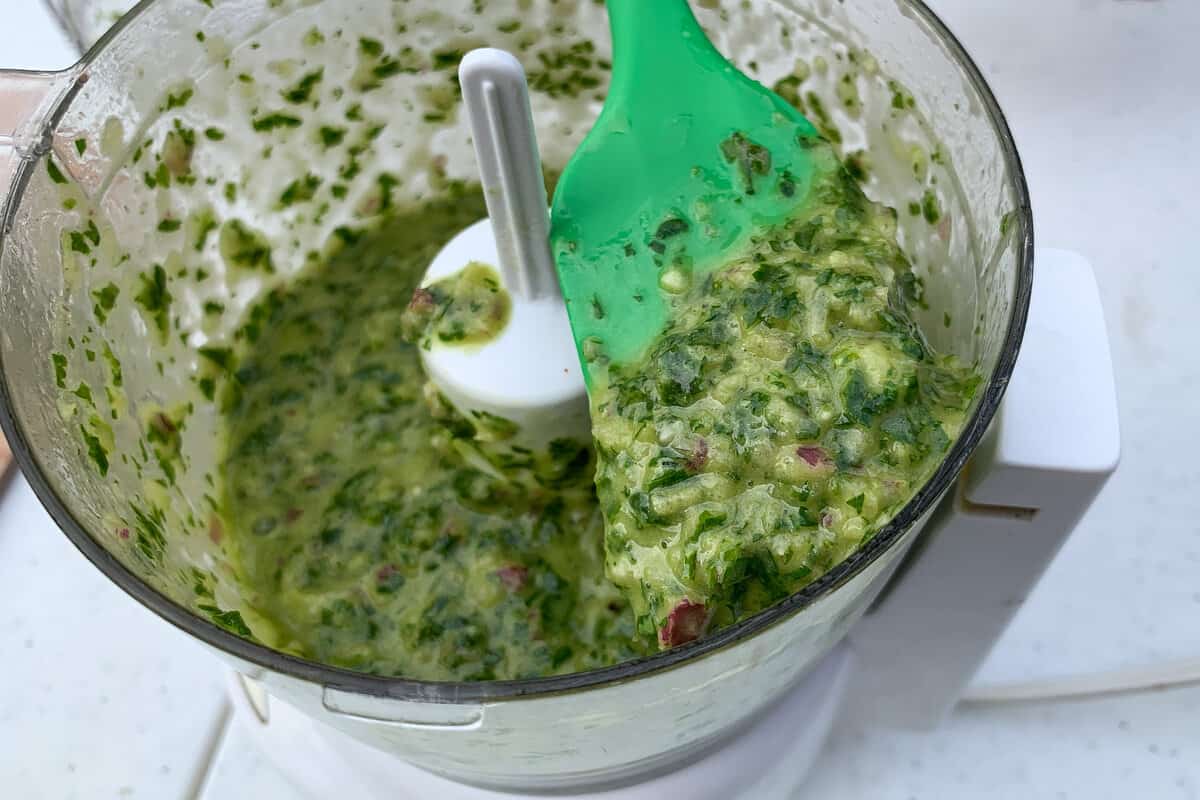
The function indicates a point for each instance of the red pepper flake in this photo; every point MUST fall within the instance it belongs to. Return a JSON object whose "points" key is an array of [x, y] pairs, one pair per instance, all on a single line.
{"points": [[943, 229], [123, 533], [686, 623], [215, 530], [814, 456], [513, 577], [422, 300], [293, 514], [534, 615], [385, 572], [699, 456]]}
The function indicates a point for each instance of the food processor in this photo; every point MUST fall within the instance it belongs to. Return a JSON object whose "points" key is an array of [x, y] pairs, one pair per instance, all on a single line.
{"points": [[129, 179]]}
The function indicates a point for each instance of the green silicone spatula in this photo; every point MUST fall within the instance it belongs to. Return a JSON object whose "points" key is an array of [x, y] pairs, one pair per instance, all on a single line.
{"points": [[688, 157]]}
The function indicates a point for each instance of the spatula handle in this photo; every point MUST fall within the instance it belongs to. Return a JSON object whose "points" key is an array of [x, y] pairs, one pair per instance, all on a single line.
{"points": [[496, 96]]}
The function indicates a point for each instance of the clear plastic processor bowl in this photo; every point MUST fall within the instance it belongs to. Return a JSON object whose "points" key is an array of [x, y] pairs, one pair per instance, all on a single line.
{"points": [[98, 211]]}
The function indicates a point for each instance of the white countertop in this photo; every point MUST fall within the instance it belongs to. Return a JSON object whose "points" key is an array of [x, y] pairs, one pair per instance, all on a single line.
{"points": [[1102, 97]]}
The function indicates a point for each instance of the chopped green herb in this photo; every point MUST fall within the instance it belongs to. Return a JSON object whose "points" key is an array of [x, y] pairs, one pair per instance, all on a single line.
{"points": [[96, 450], [179, 99], [751, 159], [155, 298], [205, 223], [930, 208], [149, 539], [671, 227], [300, 190], [56, 174], [220, 356], [331, 137], [302, 91], [274, 121], [1006, 223], [242, 246], [114, 366], [59, 361], [229, 620], [106, 298]]}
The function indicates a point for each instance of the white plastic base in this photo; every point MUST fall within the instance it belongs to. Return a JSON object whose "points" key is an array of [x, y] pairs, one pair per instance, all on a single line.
{"points": [[529, 374], [1052, 445], [769, 759]]}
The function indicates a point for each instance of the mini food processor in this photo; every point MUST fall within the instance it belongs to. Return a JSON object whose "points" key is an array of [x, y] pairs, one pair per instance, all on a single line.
{"points": [[148, 202]]}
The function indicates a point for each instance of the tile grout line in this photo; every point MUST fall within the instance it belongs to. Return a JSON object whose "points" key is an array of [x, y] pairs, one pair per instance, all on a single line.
{"points": [[1178, 674], [220, 731]]}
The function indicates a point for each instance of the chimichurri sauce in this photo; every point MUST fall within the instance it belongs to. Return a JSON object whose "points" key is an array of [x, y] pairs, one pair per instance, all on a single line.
{"points": [[469, 307], [789, 409], [363, 530]]}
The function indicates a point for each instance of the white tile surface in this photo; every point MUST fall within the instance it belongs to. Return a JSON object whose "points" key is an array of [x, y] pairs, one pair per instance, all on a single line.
{"points": [[101, 698], [1141, 747], [1138, 746], [240, 770], [29, 39]]}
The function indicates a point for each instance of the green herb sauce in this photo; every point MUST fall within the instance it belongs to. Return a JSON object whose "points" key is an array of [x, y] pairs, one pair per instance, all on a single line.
{"points": [[468, 307], [788, 411], [370, 524]]}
